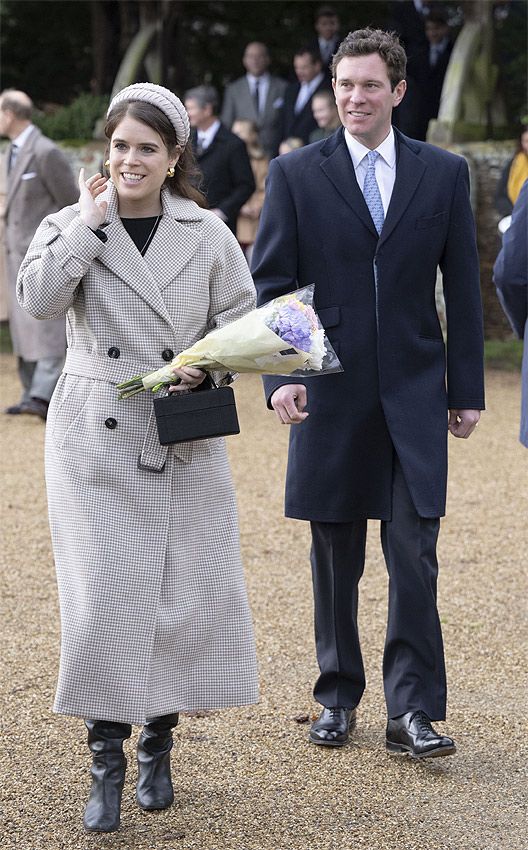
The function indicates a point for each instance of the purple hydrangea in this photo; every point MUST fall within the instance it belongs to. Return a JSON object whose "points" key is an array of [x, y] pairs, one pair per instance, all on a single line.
{"points": [[293, 326]]}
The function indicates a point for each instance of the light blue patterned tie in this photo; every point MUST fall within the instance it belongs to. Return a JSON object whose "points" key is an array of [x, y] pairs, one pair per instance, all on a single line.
{"points": [[372, 194]]}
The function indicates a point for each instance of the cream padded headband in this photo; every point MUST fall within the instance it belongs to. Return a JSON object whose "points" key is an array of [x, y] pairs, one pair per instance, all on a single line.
{"points": [[164, 99]]}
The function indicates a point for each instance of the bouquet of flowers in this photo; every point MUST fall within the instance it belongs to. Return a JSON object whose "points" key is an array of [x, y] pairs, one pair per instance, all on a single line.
{"points": [[282, 337]]}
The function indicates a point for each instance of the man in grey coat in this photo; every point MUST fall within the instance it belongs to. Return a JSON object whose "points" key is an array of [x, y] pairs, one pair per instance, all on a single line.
{"points": [[258, 96], [39, 181]]}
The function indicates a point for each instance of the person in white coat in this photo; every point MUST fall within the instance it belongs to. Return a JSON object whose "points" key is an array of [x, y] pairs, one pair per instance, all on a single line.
{"points": [[154, 610]]}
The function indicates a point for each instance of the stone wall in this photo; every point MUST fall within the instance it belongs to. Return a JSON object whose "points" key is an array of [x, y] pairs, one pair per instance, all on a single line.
{"points": [[486, 161]]}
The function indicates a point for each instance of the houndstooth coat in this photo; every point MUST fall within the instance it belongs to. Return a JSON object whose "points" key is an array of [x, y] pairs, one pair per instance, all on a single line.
{"points": [[154, 611]]}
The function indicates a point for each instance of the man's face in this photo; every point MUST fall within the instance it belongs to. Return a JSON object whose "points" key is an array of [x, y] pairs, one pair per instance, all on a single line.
{"points": [[435, 31], [198, 115], [364, 98], [327, 26], [256, 60], [305, 68], [6, 118]]}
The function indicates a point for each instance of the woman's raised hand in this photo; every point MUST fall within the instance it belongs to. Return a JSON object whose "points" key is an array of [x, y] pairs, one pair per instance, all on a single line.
{"points": [[92, 214]]}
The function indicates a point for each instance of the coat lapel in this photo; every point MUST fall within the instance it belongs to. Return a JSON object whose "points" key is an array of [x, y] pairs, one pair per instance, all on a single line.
{"points": [[171, 249], [409, 172], [19, 168], [339, 169]]}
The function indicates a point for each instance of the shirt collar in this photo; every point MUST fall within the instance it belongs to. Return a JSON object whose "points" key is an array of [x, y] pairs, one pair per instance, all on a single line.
{"points": [[208, 135], [22, 137], [262, 79], [313, 84], [387, 149]]}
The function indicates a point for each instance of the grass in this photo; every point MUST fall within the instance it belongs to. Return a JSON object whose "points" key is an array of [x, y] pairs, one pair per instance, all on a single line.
{"points": [[504, 354]]}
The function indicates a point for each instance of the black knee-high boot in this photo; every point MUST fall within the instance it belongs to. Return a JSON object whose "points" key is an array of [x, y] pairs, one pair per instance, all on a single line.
{"points": [[154, 787], [105, 740]]}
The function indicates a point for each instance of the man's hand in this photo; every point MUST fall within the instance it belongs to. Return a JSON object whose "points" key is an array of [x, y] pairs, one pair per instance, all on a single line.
{"points": [[462, 423], [289, 402]]}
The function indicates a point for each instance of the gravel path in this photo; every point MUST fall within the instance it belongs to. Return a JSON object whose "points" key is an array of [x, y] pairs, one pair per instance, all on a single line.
{"points": [[246, 779]]}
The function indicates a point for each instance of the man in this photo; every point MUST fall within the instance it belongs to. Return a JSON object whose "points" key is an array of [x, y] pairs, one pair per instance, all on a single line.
{"points": [[327, 38], [425, 77], [257, 96], [297, 116], [510, 274], [222, 157], [368, 215], [39, 181]]}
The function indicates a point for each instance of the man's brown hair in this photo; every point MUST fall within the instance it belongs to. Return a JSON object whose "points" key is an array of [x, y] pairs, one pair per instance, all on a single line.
{"points": [[367, 41]]}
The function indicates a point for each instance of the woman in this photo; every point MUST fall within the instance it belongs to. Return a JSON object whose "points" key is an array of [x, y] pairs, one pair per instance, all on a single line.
{"points": [[154, 611], [513, 176], [248, 218]]}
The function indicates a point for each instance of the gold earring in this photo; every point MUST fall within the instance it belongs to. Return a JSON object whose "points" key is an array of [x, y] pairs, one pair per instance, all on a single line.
{"points": [[107, 163], [170, 172]]}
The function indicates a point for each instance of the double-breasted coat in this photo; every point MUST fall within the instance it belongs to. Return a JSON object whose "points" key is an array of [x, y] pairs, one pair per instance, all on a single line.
{"points": [[154, 610], [41, 182], [376, 298]]}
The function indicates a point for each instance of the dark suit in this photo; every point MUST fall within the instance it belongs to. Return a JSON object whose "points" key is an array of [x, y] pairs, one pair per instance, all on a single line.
{"points": [[314, 46], [302, 123], [424, 89], [375, 442], [227, 175]]}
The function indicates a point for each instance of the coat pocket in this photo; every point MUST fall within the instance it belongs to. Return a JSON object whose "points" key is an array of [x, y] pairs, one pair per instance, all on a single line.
{"points": [[430, 221], [76, 392], [329, 316]]}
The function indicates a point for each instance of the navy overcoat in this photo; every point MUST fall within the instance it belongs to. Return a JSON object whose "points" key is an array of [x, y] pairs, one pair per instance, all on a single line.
{"points": [[376, 298]]}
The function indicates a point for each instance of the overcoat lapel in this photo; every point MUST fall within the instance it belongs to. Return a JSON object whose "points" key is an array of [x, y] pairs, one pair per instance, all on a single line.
{"points": [[339, 169], [20, 165], [149, 275], [409, 172]]}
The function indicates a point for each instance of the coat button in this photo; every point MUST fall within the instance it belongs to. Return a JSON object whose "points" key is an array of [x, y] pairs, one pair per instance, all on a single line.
{"points": [[111, 423], [168, 354], [114, 352]]}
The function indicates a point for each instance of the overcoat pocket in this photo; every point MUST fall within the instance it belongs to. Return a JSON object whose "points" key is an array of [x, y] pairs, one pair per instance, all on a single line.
{"points": [[75, 394], [430, 221]]}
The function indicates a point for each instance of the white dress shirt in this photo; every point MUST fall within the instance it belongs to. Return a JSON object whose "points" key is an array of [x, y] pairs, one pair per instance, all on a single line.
{"points": [[263, 88], [385, 164], [205, 137], [306, 91]]}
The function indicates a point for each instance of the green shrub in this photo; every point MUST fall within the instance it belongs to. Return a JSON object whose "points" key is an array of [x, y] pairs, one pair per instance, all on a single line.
{"points": [[76, 121]]}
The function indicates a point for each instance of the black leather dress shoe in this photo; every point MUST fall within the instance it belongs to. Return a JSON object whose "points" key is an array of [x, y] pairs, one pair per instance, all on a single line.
{"points": [[33, 407], [412, 735], [332, 727]]}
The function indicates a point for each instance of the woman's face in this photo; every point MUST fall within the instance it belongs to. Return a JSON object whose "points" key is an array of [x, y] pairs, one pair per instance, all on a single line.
{"points": [[139, 162], [524, 141]]}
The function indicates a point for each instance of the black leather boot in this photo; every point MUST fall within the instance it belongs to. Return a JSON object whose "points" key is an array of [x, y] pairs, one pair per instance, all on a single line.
{"points": [[154, 786], [105, 740]]}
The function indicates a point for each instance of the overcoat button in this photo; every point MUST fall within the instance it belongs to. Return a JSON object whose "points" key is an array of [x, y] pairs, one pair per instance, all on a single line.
{"points": [[111, 423], [168, 354], [114, 353]]}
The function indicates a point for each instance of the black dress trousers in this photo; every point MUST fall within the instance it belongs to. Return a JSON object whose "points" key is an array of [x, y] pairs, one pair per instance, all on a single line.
{"points": [[413, 662]]}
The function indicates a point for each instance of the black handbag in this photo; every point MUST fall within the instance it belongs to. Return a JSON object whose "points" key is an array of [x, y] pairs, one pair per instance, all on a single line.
{"points": [[208, 411]]}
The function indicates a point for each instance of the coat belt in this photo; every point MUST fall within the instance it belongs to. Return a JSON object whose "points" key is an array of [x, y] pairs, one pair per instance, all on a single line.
{"points": [[153, 455]]}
